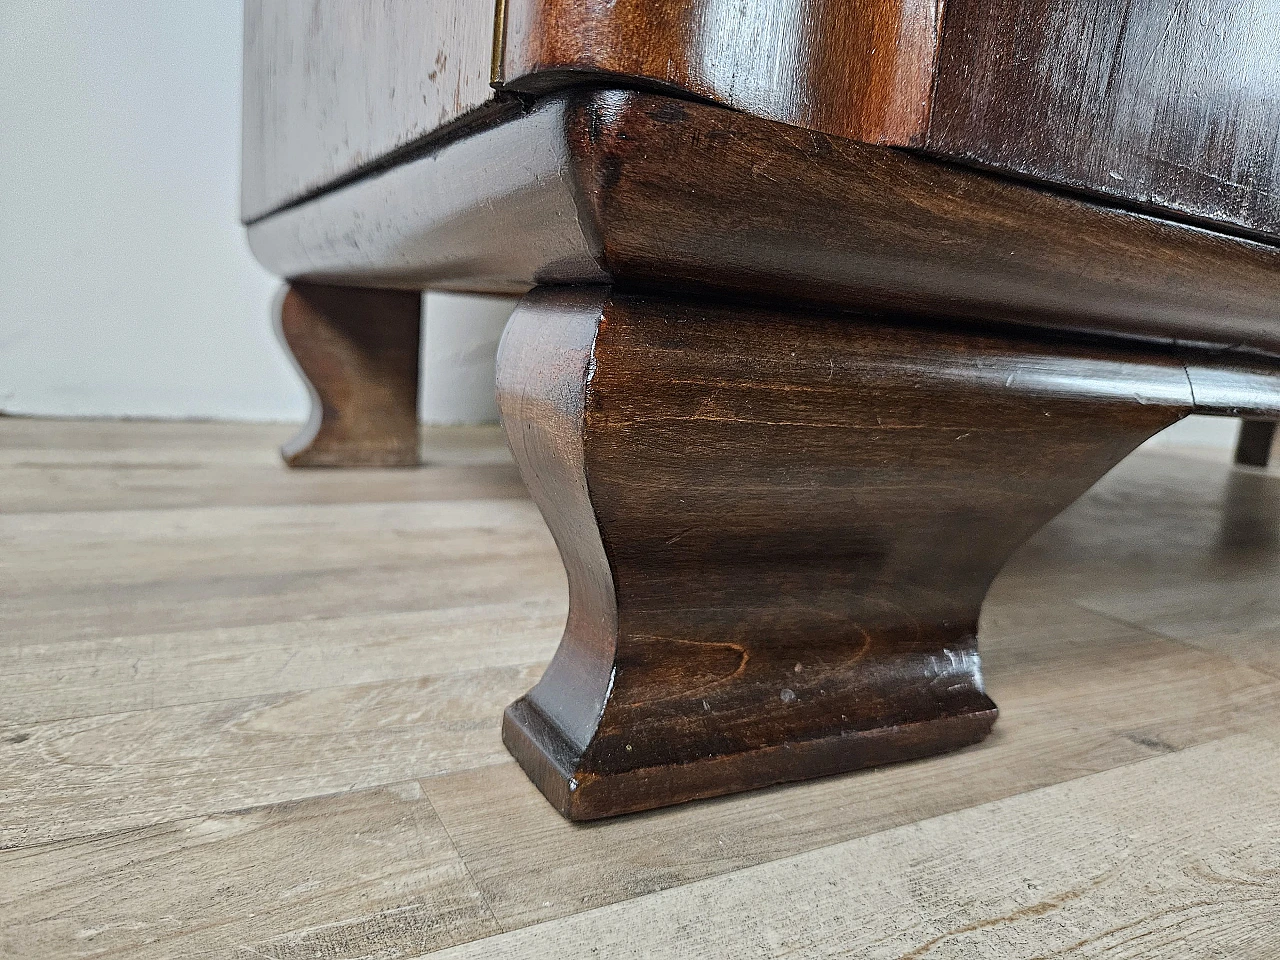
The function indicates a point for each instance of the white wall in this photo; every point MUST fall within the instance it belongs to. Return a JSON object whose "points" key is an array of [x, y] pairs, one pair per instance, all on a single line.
{"points": [[1215, 432], [126, 286]]}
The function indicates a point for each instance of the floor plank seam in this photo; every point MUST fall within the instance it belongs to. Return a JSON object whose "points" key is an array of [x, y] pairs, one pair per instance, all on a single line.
{"points": [[22, 726], [1155, 634], [426, 796], [250, 804], [248, 809], [799, 788], [739, 874]]}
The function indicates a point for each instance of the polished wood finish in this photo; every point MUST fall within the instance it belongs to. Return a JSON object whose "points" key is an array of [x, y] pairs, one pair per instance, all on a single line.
{"points": [[1254, 446], [779, 528], [431, 222], [358, 351], [1172, 106], [854, 68], [644, 189], [333, 89]]}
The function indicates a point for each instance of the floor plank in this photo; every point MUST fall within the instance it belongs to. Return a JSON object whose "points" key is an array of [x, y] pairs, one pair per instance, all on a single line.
{"points": [[45, 551], [367, 874], [75, 778], [1134, 862], [1180, 547], [246, 711], [109, 574], [1078, 694], [96, 676], [67, 465], [41, 441], [1159, 521]]}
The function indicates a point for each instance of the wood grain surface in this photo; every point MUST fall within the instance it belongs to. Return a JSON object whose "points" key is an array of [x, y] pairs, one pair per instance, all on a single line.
{"points": [[1012, 879], [331, 90], [1174, 106], [358, 351], [644, 189], [779, 527], [861, 69], [1175, 556], [1171, 106], [366, 873], [98, 574]]}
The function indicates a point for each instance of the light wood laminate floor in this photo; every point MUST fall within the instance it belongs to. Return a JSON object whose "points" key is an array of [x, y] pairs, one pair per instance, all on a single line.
{"points": [[247, 712]]}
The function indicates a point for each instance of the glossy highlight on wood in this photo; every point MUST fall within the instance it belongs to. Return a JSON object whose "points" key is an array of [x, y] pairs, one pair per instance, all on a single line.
{"points": [[855, 68], [779, 527], [358, 351], [1172, 106], [1169, 106], [647, 190]]}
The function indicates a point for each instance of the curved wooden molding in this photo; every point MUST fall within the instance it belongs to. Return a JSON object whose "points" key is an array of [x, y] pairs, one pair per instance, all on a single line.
{"points": [[644, 190], [358, 352], [779, 528]]}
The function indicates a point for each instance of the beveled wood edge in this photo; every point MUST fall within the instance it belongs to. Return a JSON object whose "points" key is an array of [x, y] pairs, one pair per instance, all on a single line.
{"points": [[412, 227], [545, 755], [687, 196], [502, 108], [541, 184], [1229, 384]]}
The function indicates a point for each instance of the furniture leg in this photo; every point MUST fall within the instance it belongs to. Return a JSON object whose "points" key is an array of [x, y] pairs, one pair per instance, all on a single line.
{"points": [[779, 528], [358, 351], [1254, 446]]}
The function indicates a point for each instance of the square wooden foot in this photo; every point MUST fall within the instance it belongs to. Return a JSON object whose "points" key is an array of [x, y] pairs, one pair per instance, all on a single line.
{"points": [[1254, 446], [779, 528], [552, 762]]}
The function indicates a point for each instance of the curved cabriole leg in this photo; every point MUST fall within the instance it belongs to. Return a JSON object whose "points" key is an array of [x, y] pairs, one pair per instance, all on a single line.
{"points": [[358, 351], [779, 528], [1254, 446]]}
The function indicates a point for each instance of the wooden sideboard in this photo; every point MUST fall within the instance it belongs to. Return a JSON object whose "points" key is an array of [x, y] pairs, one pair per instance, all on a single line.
{"points": [[828, 307], [1170, 106]]}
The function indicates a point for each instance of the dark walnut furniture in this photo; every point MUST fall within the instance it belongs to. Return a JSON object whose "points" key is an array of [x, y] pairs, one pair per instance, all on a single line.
{"points": [[828, 306]]}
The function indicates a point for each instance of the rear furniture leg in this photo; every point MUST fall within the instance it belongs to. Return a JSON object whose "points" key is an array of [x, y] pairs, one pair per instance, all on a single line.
{"points": [[358, 351], [1254, 446], [779, 528]]}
